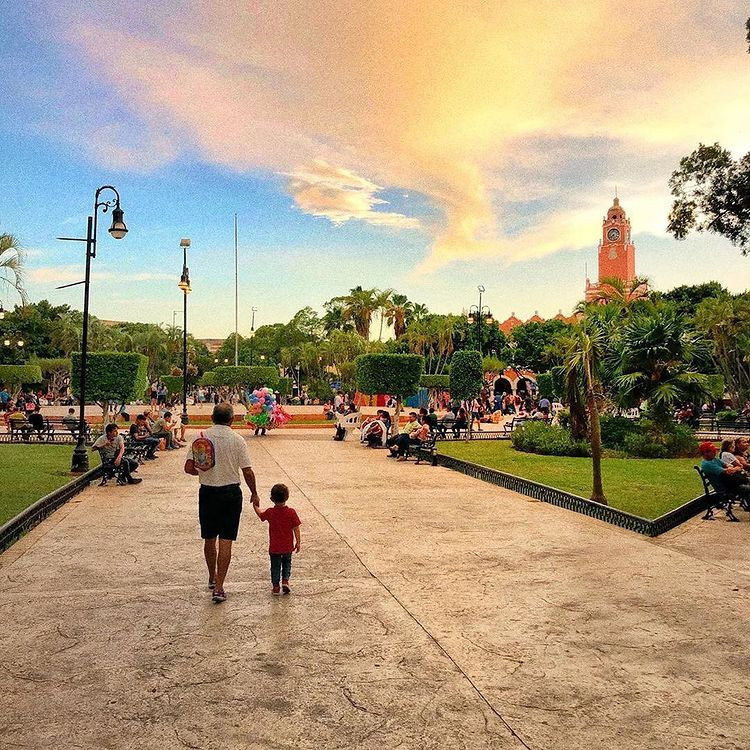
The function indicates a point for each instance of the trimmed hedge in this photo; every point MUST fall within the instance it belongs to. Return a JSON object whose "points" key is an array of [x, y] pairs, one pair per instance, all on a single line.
{"points": [[208, 378], [17, 375], [284, 386], [111, 376], [467, 375], [442, 382], [393, 374], [246, 377]]}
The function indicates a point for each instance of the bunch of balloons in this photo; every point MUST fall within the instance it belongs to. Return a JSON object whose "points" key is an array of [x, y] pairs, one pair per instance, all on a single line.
{"points": [[263, 410]]}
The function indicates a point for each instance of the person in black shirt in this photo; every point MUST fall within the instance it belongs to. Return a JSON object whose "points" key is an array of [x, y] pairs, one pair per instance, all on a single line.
{"points": [[141, 433], [36, 420]]}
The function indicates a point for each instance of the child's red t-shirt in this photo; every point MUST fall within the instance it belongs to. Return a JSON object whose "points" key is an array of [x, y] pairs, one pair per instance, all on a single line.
{"points": [[281, 520]]}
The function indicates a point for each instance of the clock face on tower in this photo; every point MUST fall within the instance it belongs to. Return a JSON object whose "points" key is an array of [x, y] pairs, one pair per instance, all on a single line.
{"points": [[613, 234]]}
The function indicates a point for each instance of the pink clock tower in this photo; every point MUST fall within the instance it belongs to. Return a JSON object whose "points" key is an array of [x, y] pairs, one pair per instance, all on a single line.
{"points": [[616, 252]]}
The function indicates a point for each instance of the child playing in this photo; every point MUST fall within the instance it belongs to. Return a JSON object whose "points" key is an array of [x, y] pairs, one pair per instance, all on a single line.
{"points": [[283, 534]]}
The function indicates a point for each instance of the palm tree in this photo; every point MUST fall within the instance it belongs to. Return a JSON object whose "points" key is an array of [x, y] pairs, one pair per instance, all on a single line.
{"points": [[333, 319], [418, 312], [11, 265], [359, 305], [66, 334], [612, 289], [398, 313], [382, 300], [583, 350], [655, 355]]}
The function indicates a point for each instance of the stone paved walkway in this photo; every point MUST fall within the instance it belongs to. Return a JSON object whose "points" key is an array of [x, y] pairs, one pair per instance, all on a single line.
{"points": [[429, 610]]}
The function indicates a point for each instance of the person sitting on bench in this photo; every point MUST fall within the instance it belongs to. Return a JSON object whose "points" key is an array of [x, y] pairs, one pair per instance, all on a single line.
{"points": [[71, 421], [141, 433], [36, 420], [111, 448], [724, 479], [416, 437]]}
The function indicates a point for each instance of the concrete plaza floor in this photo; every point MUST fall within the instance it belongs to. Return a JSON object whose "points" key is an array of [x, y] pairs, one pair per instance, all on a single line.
{"points": [[429, 610]]}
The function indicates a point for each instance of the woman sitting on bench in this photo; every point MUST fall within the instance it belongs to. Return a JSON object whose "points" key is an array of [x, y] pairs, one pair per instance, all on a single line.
{"points": [[414, 437]]}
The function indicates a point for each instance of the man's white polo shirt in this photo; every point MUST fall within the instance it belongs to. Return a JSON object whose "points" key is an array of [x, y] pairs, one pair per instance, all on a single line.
{"points": [[231, 454]]}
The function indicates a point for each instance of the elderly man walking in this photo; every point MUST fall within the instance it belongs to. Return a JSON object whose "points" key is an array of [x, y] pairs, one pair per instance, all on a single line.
{"points": [[217, 458]]}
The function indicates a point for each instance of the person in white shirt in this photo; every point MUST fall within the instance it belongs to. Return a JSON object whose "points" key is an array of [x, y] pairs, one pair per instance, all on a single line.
{"points": [[220, 496]]}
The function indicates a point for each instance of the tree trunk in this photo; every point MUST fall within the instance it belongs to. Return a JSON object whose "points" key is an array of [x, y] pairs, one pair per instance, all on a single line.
{"points": [[597, 494]]}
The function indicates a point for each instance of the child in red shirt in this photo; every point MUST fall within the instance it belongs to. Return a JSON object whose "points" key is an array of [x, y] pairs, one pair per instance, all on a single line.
{"points": [[283, 535]]}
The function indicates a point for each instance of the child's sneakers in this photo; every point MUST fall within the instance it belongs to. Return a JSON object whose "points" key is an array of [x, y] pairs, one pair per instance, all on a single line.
{"points": [[285, 587], [276, 591], [219, 597]]}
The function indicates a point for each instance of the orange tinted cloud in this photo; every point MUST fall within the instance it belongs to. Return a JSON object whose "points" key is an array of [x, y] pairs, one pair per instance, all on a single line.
{"points": [[430, 97]]}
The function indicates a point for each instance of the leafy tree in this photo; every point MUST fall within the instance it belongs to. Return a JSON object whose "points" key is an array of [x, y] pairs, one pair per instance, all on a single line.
{"points": [[493, 365], [687, 297], [11, 266], [111, 377], [712, 194], [55, 370], [725, 321], [246, 377], [532, 342], [393, 374], [14, 377], [433, 337]]}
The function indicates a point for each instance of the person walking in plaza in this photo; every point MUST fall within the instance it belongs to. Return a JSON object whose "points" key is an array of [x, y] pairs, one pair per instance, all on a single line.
{"points": [[218, 457], [283, 536]]}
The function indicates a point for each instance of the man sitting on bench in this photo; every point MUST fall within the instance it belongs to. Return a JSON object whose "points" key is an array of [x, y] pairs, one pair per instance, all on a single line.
{"points": [[71, 422], [111, 448], [141, 433], [729, 480]]}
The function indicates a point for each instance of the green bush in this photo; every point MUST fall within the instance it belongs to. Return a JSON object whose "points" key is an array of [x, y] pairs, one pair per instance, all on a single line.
{"points": [[393, 374], [111, 376], [319, 388], [727, 415], [550, 385], [547, 440], [442, 382], [467, 375], [208, 378], [246, 377], [653, 442], [15, 376], [616, 429]]}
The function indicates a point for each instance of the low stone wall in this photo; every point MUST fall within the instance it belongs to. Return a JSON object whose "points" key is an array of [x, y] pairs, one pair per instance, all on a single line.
{"points": [[575, 503]]}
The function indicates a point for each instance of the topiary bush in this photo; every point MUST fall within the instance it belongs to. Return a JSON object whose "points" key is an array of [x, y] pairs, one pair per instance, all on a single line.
{"points": [[173, 383], [246, 377], [15, 376], [208, 378], [467, 375], [441, 382], [547, 440]]}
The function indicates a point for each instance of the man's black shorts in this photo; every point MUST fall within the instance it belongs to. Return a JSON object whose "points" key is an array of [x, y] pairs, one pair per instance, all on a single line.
{"points": [[219, 510]]}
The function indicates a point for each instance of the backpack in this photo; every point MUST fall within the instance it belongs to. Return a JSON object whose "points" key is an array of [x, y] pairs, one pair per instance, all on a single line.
{"points": [[204, 454]]}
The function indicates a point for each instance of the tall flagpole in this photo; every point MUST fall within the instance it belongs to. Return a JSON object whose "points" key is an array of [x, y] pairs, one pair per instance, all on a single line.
{"points": [[236, 299]]}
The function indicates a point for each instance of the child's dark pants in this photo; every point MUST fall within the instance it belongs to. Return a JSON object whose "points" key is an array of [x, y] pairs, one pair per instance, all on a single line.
{"points": [[281, 568]]}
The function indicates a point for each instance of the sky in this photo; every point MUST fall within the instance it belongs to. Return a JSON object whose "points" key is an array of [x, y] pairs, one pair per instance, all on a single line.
{"points": [[423, 146]]}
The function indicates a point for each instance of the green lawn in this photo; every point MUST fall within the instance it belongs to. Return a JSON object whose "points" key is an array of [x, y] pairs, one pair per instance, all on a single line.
{"points": [[28, 472], [643, 486]]}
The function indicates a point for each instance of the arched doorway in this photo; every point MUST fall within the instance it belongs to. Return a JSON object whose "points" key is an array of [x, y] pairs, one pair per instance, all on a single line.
{"points": [[502, 386]]}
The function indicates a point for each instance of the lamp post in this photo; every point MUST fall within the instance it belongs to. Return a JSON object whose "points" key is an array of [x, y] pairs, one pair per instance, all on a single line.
{"points": [[184, 285], [479, 312], [118, 230], [252, 335]]}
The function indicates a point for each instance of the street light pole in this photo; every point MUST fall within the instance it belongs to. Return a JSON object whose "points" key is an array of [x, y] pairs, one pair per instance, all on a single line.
{"points": [[479, 311], [184, 285], [118, 230], [252, 335]]}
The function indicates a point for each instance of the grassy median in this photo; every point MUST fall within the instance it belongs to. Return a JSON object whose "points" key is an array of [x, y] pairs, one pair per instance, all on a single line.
{"points": [[28, 472], [645, 487]]}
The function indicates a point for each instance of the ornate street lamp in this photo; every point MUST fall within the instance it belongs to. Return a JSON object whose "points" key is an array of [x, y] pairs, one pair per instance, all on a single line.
{"points": [[252, 335], [184, 285], [477, 313], [118, 230]]}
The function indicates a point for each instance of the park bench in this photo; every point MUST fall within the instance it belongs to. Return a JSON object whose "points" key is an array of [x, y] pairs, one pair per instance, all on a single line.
{"points": [[135, 449], [54, 429], [425, 448], [110, 471], [718, 500]]}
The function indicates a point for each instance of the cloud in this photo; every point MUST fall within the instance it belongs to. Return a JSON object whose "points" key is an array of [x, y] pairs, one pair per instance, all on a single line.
{"points": [[387, 94], [341, 195], [67, 274]]}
